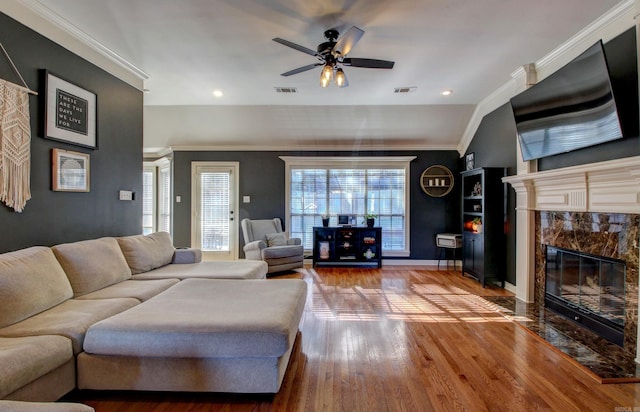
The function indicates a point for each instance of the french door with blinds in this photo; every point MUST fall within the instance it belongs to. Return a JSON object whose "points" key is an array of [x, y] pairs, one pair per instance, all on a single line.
{"points": [[214, 203]]}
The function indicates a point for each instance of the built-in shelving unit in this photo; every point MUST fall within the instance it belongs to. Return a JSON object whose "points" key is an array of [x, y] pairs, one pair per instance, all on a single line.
{"points": [[483, 224]]}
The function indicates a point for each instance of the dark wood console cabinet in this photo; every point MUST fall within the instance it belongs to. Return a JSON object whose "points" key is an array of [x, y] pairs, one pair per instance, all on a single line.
{"points": [[356, 245]]}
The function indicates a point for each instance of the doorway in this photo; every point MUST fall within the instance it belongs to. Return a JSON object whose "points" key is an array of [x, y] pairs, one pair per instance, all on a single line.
{"points": [[214, 230]]}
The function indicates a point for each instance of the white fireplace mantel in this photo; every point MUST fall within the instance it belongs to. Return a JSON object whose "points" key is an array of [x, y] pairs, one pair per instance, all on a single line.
{"points": [[608, 187]]}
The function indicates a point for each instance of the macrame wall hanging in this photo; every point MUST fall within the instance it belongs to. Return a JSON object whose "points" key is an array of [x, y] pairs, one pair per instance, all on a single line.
{"points": [[15, 141]]}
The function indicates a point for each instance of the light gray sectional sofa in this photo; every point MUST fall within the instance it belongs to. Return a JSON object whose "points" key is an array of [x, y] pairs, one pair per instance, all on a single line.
{"points": [[134, 313]]}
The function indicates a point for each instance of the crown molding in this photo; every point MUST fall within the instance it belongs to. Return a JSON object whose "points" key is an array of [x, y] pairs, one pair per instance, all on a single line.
{"points": [[606, 27], [609, 25], [311, 147], [45, 21]]}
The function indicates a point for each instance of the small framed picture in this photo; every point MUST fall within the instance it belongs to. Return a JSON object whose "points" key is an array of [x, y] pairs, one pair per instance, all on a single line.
{"points": [[70, 171], [70, 113], [469, 161]]}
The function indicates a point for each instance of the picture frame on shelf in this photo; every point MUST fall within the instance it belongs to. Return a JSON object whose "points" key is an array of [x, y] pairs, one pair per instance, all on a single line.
{"points": [[71, 112], [70, 171], [469, 161]]}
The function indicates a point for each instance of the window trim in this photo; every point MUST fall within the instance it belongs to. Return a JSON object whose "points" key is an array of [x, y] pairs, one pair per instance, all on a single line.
{"points": [[348, 162], [154, 167]]}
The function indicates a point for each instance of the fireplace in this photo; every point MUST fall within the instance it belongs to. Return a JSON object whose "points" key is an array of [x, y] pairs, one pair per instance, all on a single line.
{"points": [[590, 208], [588, 289], [586, 245]]}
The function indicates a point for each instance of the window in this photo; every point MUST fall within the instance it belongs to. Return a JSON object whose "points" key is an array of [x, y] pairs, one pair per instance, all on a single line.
{"points": [[164, 198], [355, 186], [148, 199], [156, 197]]}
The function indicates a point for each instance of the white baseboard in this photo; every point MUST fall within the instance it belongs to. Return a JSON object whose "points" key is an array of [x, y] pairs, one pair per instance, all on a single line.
{"points": [[411, 262], [510, 287]]}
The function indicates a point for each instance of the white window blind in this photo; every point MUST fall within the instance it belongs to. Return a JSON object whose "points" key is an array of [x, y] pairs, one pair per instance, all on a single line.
{"points": [[215, 188], [164, 199], [148, 205]]}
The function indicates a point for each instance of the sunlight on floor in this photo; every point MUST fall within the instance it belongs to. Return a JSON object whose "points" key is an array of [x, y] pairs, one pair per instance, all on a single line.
{"points": [[427, 303]]}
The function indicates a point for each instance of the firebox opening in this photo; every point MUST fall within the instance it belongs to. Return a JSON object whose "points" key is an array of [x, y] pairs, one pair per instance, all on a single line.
{"points": [[588, 289]]}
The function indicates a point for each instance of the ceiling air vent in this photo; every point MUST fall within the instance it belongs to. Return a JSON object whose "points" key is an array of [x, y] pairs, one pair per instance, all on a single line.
{"points": [[405, 89], [286, 90]]}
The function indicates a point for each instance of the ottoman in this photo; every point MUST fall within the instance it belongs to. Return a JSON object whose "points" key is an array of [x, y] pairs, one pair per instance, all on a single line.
{"points": [[201, 335]]}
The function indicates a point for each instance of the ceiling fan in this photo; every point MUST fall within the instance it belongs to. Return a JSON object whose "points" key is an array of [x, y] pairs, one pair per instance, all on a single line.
{"points": [[333, 54]]}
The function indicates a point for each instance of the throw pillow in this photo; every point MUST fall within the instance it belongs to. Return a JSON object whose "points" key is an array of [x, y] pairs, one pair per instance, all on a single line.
{"points": [[276, 239]]}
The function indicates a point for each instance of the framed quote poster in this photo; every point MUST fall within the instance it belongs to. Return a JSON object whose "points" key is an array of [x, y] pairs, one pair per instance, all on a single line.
{"points": [[71, 114]]}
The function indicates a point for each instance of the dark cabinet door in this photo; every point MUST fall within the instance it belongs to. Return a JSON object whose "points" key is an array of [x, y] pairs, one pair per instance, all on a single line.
{"points": [[473, 255]]}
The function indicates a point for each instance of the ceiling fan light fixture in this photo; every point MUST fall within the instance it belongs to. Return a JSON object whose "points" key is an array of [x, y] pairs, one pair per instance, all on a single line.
{"points": [[327, 72], [324, 82], [341, 78], [326, 75]]}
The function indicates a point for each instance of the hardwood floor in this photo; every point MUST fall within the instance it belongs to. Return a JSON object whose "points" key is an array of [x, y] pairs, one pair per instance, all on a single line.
{"points": [[404, 339]]}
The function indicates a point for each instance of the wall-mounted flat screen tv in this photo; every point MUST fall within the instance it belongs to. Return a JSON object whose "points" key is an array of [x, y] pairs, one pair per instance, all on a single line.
{"points": [[568, 110]]}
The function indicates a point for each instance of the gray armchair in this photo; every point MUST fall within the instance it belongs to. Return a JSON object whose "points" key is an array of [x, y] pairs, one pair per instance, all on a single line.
{"points": [[265, 240]]}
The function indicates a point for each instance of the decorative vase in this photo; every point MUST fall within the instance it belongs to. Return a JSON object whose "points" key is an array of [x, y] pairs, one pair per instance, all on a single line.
{"points": [[370, 222], [325, 222]]}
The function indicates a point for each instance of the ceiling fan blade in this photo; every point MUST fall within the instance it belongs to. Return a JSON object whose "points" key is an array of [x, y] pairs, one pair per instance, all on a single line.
{"points": [[368, 63], [295, 46], [346, 42], [301, 69]]}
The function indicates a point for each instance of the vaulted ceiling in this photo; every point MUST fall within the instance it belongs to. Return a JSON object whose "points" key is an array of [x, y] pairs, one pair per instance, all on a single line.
{"points": [[189, 48]]}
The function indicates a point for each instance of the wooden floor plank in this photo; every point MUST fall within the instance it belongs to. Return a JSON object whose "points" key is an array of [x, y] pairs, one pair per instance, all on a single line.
{"points": [[403, 338]]}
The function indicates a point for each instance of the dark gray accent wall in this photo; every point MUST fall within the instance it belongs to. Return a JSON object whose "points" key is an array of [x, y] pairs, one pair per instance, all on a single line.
{"points": [[494, 145], [55, 217], [262, 176]]}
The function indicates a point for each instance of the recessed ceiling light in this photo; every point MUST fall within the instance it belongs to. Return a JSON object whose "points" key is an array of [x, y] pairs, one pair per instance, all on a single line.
{"points": [[218, 93], [447, 92]]}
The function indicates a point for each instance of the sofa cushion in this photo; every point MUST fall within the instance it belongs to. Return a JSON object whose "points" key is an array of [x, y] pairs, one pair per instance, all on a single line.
{"points": [[71, 319], [31, 281], [92, 264], [144, 253], [21, 406], [220, 269], [278, 252], [137, 289], [206, 318], [23, 360]]}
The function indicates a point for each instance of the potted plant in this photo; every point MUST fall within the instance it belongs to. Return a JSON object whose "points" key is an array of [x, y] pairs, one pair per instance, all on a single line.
{"points": [[325, 220], [476, 225], [370, 219]]}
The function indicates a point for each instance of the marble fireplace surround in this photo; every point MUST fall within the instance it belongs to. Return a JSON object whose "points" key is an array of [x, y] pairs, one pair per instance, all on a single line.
{"points": [[573, 197], [612, 235]]}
